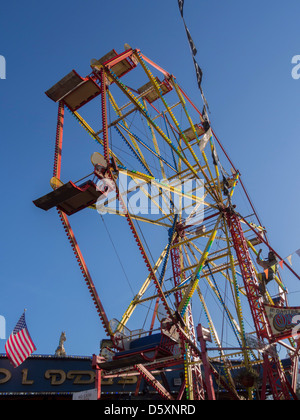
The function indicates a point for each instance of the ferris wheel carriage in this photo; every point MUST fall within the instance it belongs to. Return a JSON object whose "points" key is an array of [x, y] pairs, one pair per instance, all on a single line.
{"points": [[149, 348], [70, 198], [138, 346], [279, 300], [74, 90], [150, 94]]}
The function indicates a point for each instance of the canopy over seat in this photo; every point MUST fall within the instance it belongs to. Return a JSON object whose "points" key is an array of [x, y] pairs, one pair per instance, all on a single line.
{"points": [[74, 90], [190, 133], [70, 198], [120, 64], [150, 92]]}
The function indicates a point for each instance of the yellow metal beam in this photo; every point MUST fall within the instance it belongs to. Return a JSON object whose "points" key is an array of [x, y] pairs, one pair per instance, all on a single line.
{"points": [[193, 284], [142, 291]]}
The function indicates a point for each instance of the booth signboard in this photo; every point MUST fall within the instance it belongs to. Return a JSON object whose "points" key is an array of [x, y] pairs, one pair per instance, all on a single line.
{"points": [[46, 374], [68, 375], [284, 321]]}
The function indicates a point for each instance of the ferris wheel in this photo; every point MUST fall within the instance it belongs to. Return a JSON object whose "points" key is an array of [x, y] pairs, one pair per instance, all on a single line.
{"points": [[157, 162]]}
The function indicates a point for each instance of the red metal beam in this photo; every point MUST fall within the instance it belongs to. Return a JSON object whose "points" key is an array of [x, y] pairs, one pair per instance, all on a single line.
{"points": [[142, 251], [164, 72], [58, 140], [120, 57], [207, 370], [272, 365], [104, 116], [85, 272], [153, 382]]}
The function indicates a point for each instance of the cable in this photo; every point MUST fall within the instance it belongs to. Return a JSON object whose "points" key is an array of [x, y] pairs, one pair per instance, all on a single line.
{"points": [[117, 255]]}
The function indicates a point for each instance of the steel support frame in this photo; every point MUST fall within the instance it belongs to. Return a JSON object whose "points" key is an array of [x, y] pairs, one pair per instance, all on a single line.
{"points": [[195, 375], [273, 370], [207, 371]]}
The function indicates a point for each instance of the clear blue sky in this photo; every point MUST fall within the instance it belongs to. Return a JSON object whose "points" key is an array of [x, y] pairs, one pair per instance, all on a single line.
{"points": [[245, 50]]}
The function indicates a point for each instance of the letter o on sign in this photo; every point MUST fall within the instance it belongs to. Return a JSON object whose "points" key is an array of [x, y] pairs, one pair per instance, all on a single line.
{"points": [[279, 322], [7, 376]]}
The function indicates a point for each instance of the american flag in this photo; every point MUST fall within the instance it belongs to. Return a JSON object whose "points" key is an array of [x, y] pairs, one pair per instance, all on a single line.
{"points": [[19, 346]]}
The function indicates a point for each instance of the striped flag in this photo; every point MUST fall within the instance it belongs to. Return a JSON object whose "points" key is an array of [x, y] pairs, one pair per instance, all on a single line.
{"points": [[19, 346]]}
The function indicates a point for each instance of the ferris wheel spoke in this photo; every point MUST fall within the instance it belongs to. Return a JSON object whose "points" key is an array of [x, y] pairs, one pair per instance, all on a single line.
{"points": [[170, 188], [216, 291], [155, 143], [193, 284], [138, 298], [92, 133], [144, 254], [138, 218], [229, 383], [123, 119], [159, 92], [163, 135], [216, 268], [216, 187], [152, 202], [153, 152], [246, 353]]}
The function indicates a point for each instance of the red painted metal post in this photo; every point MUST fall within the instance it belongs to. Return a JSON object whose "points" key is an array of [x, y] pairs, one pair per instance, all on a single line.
{"points": [[85, 271], [147, 375], [58, 140], [272, 365], [175, 258], [104, 116], [164, 72], [98, 383], [138, 384], [181, 391], [207, 371], [98, 374]]}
